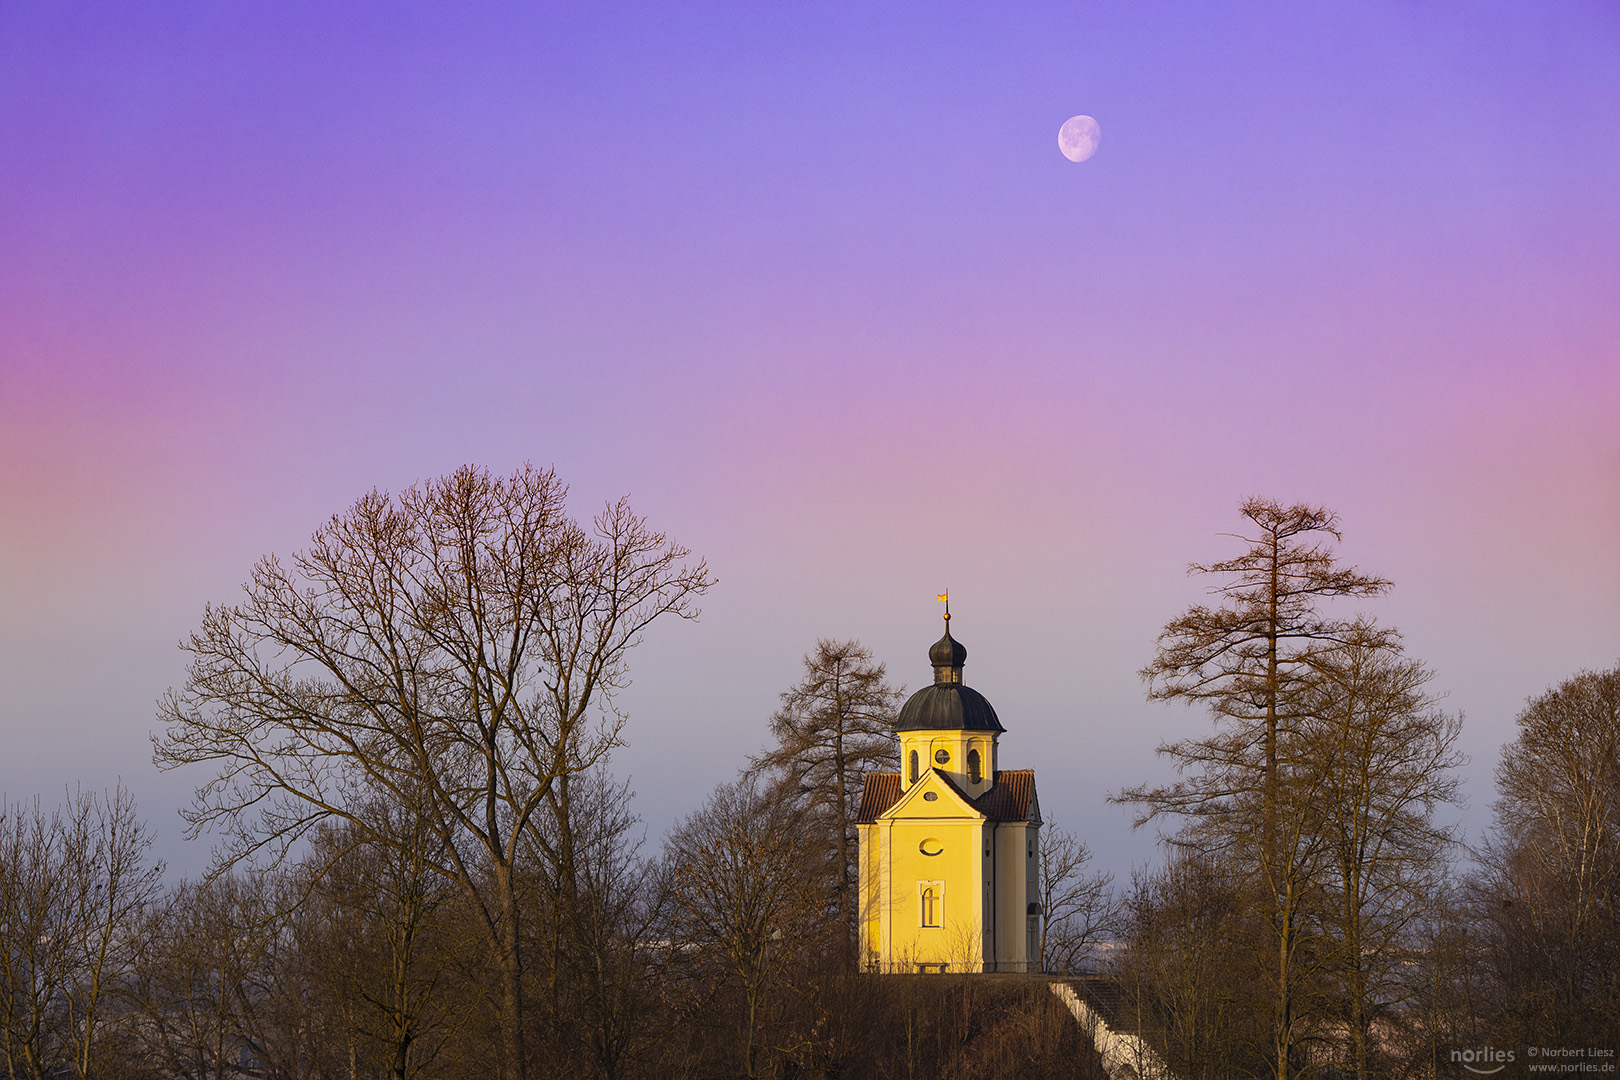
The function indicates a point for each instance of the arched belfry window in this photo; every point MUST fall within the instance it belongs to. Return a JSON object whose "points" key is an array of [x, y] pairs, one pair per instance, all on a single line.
{"points": [[975, 774], [930, 907], [914, 766]]}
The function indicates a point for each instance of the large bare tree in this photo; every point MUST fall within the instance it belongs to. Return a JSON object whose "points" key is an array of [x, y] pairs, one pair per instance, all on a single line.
{"points": [[455, 650], [834, 725]]}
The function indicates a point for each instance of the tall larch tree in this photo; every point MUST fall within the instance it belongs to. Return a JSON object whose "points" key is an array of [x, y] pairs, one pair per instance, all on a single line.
{"points": [[834, 725], [1247, 658]]}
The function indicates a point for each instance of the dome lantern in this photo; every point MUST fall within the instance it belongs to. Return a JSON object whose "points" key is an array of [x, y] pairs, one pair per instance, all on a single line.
{"points": [[947, 655]]}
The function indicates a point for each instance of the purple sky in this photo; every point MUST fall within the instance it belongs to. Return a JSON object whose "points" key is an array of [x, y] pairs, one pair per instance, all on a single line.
{"points": [[814, 286]]}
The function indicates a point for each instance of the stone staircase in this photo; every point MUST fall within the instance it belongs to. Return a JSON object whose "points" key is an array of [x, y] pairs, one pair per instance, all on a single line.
{"points": [[1099, 1009], [1103, 995]]}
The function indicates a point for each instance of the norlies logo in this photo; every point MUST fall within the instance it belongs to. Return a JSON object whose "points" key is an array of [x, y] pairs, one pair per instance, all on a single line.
{"points": [[1484, 1061]]}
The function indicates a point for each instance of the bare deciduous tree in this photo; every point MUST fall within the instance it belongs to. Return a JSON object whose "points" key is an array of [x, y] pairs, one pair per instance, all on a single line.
{"points": [[1549, 890], [75, 888], [599, 943], [745, 902], [835, 725], [206, 977], [1192, 970], [371, 929], [1385, 760], [454, 650], [1078, 908], [1243, 658]]}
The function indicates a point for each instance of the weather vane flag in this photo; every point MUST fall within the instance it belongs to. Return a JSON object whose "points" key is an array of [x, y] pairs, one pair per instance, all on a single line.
{"points": [[945, 598]]}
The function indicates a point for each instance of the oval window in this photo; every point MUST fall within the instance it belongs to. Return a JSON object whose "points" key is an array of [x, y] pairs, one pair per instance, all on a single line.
{"points": [[930, 846], [942, 756], [930, 796]]}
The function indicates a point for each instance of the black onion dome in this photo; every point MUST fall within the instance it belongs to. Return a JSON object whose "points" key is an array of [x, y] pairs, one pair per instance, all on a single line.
{"points": [[947, 652], [947, 707]]}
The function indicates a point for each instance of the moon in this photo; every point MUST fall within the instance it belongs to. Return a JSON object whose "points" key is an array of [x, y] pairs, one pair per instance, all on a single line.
{"points": [[1078, 137]]}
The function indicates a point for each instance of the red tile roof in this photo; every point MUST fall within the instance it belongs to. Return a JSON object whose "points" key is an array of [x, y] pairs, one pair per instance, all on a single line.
{"points": [[1011, 798], [879, 791]]}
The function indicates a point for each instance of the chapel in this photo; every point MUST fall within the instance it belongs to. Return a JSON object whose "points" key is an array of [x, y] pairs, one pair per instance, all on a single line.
{"points": [[950, 845]]}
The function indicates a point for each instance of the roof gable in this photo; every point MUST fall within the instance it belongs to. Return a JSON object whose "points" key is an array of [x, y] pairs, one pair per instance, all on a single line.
{"points": [[947, 801]]}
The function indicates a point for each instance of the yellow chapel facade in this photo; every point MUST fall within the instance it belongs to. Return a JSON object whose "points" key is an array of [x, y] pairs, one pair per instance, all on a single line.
{"points": [[949, 846]]}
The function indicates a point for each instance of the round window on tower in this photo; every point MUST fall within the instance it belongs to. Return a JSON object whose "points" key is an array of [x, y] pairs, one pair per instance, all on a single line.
{"points": [[942, 756]]}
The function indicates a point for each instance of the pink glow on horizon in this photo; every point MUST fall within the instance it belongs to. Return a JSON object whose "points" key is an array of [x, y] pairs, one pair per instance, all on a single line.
{"points": [[815, 288]]}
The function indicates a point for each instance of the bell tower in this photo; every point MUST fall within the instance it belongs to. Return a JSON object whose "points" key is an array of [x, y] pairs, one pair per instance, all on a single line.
{"points": [[949, 726]]}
